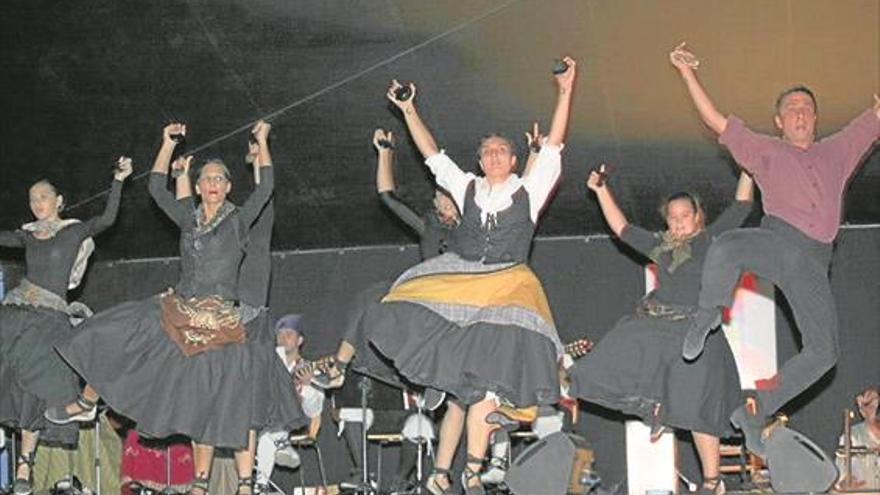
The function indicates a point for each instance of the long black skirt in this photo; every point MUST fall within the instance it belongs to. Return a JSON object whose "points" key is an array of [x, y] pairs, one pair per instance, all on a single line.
{"points": [[638, 364], [32, 375], [368, 361], [213, 397], [517, 364]]}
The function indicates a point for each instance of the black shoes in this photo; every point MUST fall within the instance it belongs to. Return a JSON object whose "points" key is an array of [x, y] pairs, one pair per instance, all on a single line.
{"points": [[699, 327]]}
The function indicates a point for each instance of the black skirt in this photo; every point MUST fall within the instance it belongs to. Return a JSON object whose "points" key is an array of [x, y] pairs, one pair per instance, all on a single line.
{"points": [[638, 364], [368, 361], [32, 375], [517, 364], [213, 397]]}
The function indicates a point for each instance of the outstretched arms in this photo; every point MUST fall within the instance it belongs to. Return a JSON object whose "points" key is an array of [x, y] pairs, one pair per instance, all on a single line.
{"points": [[686, 63]]}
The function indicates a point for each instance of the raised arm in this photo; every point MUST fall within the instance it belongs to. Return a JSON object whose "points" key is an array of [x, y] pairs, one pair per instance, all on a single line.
{"points": [[447, 174], [383, 141], [613, 215], [686, 63], [384, 144], [745, 188], [564, 85], [417, 128], [734, 215], [263, 158], [176, 211], [182, 181], [163, 158], [541, 174], [265, 185], [856, 139], [533, 141], [103, 221]]}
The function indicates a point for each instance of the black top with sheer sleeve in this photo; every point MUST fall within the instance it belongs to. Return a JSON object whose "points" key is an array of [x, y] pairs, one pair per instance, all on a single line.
{"points": [[434, 236], [49, 261]]}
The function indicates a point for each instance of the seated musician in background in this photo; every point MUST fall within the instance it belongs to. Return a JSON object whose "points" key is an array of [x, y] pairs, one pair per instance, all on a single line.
{"points": [[865, 435], [274, 446]]}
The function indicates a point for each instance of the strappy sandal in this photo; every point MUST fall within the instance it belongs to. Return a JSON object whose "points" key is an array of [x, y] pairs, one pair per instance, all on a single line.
{"points": [[245, 486], [657, 426], [24, 486], [59, 415], [199, 485], [712, 486], [433, 487], [469, 474]]}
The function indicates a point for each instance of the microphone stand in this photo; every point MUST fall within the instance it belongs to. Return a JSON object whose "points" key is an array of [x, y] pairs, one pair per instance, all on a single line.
{"points": [[365, 387]]}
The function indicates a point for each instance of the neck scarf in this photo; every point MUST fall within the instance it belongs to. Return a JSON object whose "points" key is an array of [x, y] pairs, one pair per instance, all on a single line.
{"points": [[680, 249], [203, 227]]}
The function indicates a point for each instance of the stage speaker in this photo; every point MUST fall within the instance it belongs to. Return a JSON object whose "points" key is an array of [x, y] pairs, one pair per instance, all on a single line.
{"points": [[796, 464], [558, 464]]}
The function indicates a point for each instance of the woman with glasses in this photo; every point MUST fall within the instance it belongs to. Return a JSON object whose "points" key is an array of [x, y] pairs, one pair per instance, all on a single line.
{"points": [[183, 362]]}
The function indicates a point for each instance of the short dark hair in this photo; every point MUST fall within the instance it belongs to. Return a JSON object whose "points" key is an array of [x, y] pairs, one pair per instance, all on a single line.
{"points": [[214, 161], [510, 142], [797, 89], [50, 185], [691, 198]]}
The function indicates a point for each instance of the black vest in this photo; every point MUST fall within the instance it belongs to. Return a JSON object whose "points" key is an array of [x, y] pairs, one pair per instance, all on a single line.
{"points": [[505, 237], [209, 263]]}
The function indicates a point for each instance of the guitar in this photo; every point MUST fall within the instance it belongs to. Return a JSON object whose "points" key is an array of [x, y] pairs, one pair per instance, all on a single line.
{"points": [[304, 370]]}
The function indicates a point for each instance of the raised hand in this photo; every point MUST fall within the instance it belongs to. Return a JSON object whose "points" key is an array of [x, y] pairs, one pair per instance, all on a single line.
{"points": [[403, 105], [181, 166], [253, 152], [597, 179], [261, 131], [171, 130], [383, 140], [123, 168], [565, 80], [534, 139], [682, 58]]}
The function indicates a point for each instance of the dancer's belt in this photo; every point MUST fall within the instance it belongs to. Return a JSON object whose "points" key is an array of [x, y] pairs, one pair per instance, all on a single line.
{"points": [[675, 312], [30, 294], [198, 324]]}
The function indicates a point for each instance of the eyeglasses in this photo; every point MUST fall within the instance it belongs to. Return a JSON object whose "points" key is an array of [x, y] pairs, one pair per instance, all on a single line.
{"points": [[213, 179]]}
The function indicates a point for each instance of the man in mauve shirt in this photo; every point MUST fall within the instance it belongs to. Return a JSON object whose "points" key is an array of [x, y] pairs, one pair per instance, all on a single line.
{"points": [[802, 182]]}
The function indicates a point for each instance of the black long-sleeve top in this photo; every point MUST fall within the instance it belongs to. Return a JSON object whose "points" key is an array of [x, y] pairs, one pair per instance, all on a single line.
{"points": [[49, 261]]}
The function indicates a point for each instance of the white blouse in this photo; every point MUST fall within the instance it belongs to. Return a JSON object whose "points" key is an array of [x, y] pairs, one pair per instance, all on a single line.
{"points": [[491, 199]]}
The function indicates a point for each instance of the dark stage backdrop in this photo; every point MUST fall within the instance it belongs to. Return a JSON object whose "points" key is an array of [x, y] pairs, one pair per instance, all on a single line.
{"points": [[590, 282]]}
